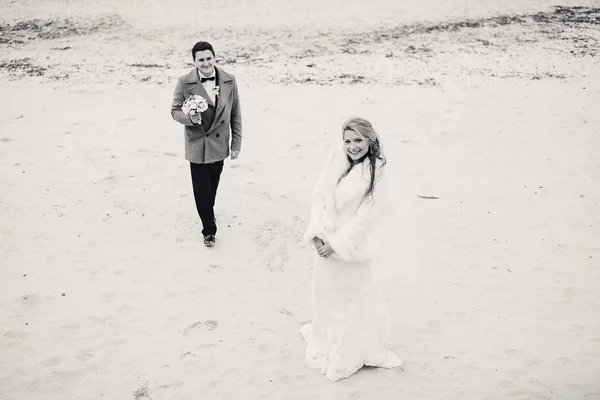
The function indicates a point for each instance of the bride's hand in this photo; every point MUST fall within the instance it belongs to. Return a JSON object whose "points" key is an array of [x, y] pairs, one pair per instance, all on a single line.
{"points": [[325, 251], [318, 242]]}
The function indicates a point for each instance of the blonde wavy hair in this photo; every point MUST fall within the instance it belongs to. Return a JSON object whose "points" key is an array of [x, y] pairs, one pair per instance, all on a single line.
{"points": [[374, 152]]}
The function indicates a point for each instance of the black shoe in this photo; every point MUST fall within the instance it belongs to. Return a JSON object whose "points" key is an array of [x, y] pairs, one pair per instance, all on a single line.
{"points": [[209, 240]]}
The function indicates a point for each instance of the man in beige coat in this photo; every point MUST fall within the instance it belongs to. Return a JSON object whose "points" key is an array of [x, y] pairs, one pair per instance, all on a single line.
{"points": [[209, 136]]}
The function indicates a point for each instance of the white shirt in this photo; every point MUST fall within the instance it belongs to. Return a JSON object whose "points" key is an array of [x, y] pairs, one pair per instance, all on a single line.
{"points": [[209, 85]]}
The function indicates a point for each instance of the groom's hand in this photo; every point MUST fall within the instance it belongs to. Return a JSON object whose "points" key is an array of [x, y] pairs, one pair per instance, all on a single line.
{"points": [[195, 118], [234, 154]]}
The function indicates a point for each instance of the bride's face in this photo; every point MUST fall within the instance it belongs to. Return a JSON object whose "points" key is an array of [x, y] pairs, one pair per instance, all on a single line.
{"points": [[355, 145]]}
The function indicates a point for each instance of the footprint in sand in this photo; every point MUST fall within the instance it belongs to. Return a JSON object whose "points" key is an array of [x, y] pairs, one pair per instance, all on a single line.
{"points": [[109, 296], [183, 271], [30, 300], [428, 368], [125, 309], [208, 325], [285, 312], [65, 376], [564, 360], [273, 237], [84, 355], [285, 379], [71, 327], [569, 294], [359, 394], [299, 377], [52, 361], [434, 324], [142, 393], [528, 394], [265, 348], [515, 374], [512, 352], [15, 335], [187, 354]]}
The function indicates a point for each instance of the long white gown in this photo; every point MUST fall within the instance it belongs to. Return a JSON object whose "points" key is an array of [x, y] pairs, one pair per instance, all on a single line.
{"points": [[350, 325]]}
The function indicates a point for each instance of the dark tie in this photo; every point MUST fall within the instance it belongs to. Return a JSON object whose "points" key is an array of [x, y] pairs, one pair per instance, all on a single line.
{"points": [[202, 80]]}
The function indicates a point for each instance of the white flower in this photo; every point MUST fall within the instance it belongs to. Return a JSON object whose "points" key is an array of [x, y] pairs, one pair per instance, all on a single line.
{"points": [[216, 90], [194, 104]]}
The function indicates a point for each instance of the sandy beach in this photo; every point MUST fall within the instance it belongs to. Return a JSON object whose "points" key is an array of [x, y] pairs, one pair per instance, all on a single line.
{"points": [[488, 112]]}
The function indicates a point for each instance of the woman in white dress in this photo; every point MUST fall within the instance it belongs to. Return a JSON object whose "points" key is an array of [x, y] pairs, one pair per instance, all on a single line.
{"points": [[350, 325]]}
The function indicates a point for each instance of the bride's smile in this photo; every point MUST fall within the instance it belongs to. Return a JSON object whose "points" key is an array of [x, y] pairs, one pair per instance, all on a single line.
{"points": [[355, 145]]}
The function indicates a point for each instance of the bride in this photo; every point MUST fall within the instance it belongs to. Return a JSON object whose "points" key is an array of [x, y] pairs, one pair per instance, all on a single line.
{"points": [[350, 325]]}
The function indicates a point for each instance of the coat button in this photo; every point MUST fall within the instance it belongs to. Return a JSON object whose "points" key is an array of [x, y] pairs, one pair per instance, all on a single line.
{"points": [[207, 135], [222, 122], [218, 134]]}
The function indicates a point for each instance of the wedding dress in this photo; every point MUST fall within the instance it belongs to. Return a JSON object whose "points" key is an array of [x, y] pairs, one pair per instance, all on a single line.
{"points": [[350, 325]]}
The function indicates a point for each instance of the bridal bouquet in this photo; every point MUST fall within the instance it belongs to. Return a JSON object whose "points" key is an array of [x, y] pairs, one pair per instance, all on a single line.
{"points": [[194, 104]]}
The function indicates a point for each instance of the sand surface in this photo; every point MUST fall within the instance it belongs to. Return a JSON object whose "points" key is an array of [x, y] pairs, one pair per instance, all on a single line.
{"points": [[488, 112]]}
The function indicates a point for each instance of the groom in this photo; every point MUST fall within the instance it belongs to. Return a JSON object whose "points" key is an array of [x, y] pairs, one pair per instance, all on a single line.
{"points": [[208, 134]]}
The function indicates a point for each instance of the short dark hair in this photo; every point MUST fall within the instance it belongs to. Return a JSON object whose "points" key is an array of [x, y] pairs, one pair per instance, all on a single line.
{"points": [[201, 46]]}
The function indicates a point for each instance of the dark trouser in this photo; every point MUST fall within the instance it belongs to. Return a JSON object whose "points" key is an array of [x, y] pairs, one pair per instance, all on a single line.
{"points": [[205, 181]]}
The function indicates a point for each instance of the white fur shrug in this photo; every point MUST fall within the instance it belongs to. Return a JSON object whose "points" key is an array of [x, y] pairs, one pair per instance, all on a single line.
{"points": [[339, 214]]}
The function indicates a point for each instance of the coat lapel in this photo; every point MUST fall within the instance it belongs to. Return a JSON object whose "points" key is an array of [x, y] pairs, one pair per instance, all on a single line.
{"points": [[225, 83], [196, 87]]}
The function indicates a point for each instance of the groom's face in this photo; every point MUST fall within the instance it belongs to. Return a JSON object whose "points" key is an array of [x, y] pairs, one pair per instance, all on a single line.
{"points": [[205, 62]]}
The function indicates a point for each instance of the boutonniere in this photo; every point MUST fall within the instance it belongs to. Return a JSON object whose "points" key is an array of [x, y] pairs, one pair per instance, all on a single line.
{"points": [[216, 90]]}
